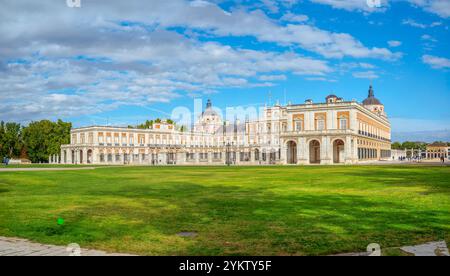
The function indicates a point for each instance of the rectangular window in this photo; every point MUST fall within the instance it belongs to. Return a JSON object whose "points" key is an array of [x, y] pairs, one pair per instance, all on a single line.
{"points": [[343, 123], [320, 124], [299, 125]]}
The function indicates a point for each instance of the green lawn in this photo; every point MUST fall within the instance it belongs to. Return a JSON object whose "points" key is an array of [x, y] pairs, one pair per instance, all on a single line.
{"points": [[234, 211]]}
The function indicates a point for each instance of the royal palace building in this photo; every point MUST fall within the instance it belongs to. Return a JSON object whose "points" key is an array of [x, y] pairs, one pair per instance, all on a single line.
{"points": [[333, 132]]}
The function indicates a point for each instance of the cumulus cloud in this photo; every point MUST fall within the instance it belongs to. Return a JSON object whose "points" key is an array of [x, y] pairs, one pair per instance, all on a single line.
{"points": [[111, 53], [133, 68], [366, 75], [438, 7], [290, 17], [209, 18], [272, 77], [355, 5], [428, 38], [436, 62], [394, 43], [413, 23]]}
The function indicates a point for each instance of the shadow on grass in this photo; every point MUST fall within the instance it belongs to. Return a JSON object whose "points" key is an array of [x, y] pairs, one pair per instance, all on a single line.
{"points": [[426, 178]]}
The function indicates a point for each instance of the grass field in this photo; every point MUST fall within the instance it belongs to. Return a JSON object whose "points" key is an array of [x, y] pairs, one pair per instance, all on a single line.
{"points": [[233, 211]]}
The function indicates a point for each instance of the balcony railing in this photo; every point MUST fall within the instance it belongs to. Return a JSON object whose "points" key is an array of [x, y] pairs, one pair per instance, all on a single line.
{"points": [[317, 132]]}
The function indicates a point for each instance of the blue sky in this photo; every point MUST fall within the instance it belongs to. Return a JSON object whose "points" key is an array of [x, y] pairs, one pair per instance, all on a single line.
{"points": [[122, 62]]}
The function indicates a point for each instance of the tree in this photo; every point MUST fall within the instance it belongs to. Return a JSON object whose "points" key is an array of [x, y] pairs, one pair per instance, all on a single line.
{"points": [[413, 145], [148, 124], [396, 146], [2, 137], [44, 138], [12, 142]]}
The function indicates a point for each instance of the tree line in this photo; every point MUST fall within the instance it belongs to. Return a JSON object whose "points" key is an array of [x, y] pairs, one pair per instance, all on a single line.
{"points": [[412, 145], [36, 141], [149, 124]]}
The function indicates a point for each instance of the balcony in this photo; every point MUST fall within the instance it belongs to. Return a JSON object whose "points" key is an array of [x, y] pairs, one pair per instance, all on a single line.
{"points": [[316, 132]]}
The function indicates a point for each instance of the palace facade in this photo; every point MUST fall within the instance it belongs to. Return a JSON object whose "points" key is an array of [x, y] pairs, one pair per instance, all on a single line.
{"points": [[333, 132]]}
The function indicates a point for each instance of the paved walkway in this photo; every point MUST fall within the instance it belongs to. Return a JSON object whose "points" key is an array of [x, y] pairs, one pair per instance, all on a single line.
{"points": [[44, 169], [21, 247], [428, 249], [438, 248]]}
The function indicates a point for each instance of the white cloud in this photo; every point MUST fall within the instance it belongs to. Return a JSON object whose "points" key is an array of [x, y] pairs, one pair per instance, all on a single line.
{"points": [[394, 43], [272, 77], [208, 18], [320, 79], [296, 18], [352, 5], [128, 72], [428, 38], [107, 54], [413, 23], [438, 7], [365, 75], [436, 62]]}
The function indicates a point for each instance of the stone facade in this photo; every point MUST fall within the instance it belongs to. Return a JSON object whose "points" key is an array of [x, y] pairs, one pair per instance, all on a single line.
{"points": [[332, 132], [437, 150]]}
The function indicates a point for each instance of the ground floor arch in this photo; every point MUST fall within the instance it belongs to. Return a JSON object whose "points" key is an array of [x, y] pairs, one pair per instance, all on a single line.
{"points": [[90, 156], [314, 152], [338, 151], [291, 152]]}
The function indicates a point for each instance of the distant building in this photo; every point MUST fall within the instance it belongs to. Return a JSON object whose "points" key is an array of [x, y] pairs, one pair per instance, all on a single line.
{"points": [[438, 150], [333, 132]]}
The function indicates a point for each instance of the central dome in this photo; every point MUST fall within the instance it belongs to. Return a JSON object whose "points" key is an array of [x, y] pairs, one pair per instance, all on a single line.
{"points": [[209, 111], [371, 100]]}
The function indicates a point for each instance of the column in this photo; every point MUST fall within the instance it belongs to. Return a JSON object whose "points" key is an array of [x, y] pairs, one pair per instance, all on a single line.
{"points": [[85, 156], [197, 157], [325, 153], [210, 155], [348, 150], [69, 155], [283, 157], [302, 152]]}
